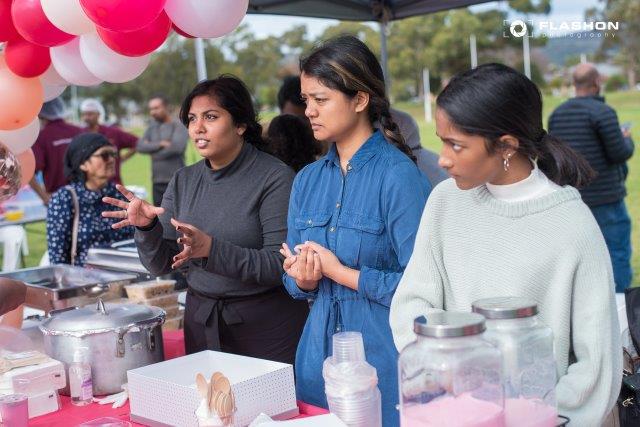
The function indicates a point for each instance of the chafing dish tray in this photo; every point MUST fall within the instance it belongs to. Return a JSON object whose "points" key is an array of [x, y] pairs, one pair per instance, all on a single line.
{"points": [[61, 286]]}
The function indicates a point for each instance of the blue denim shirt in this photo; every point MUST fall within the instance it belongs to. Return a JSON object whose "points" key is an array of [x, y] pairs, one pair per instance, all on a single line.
{"points": [[368, 218]]}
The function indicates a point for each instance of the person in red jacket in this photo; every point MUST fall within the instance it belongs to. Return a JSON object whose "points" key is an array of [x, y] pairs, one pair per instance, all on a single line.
{"points": [[49, 148]]}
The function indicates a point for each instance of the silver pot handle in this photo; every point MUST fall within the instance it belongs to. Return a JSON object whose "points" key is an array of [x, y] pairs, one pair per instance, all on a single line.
{"points": [[96, 290]]}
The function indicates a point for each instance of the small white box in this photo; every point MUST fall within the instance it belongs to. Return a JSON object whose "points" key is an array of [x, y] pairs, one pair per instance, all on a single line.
{"points": [[43, 403], [165, 394], [41, 378]]}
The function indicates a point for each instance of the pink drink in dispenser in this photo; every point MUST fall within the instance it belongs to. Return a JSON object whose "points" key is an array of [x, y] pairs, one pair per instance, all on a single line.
{"points": [[529, 367], [450, 376]]}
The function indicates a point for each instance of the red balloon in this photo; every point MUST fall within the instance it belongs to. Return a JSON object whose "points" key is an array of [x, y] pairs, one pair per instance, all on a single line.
{"points": [[182, 33], [7, 29], [123, 15], [33, 25], [140, 42], [26, 59]]}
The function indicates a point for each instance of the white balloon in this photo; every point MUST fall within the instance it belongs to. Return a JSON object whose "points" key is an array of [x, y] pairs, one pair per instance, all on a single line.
{"points": [[68, 16], [206, 18], [52, 91], [52, 78], [20, 140], [68, 63], [108, 65]]}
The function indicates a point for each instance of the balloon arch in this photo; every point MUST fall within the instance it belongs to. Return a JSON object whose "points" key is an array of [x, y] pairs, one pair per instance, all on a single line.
{"points": [[50, 44]]}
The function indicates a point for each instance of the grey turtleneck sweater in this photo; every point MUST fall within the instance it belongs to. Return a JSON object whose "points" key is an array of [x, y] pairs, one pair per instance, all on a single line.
{"points": [[243, 207]]}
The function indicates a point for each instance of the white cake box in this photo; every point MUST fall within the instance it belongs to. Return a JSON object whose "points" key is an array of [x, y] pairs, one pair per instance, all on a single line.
{"points": [[165, 394]]}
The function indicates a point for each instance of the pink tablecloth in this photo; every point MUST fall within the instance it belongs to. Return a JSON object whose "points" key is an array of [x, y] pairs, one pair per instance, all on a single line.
{"points": [[71, 415]]}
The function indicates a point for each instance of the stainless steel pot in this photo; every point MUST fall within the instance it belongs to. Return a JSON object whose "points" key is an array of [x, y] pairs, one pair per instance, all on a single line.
{"points": [[119, 337]]}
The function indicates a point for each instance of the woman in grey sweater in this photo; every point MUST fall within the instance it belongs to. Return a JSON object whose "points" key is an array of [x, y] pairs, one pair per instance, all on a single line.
{"points": [[511, 223], [224, 219]]}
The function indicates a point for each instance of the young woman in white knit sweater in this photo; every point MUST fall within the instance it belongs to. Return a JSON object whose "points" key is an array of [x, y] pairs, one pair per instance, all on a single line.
{"points": [[511, 223]]}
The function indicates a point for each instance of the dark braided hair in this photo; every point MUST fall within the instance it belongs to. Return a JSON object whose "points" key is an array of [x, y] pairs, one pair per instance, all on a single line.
{"points": [[346, 64], [232, 95]]}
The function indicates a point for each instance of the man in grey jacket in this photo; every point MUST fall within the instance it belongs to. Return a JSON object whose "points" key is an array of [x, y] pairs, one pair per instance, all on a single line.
{"points": [[165, 140]]}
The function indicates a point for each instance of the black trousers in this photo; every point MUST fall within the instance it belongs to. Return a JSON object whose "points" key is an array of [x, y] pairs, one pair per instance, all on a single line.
{"points": [[266, 326], [158, 191]]}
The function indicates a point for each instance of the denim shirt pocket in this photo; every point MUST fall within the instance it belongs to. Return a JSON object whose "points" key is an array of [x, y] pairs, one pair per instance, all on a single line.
{"points": [[312, 226], [360, 240]]}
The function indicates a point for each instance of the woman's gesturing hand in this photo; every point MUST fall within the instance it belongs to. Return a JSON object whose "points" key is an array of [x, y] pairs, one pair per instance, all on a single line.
{"points": [[197, 244], [304, 268], [135, 211]]}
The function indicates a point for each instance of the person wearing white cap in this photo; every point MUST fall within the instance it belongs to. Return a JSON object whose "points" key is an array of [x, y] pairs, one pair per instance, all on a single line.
{"points": [[91, 113]]}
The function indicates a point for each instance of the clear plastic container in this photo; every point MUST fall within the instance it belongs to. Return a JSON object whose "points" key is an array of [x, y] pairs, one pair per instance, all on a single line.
{"points": [[351, 384], [450, 376], [529, 366]]}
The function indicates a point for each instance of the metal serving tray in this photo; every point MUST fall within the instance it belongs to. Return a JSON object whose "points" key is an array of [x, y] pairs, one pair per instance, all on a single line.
{"points": [[60, 286]]}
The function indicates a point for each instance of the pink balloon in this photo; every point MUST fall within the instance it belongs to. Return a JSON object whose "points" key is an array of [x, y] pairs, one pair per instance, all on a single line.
{"points": [[7, 29], [140, 42], [33, 25], [26, 59], [122, 15], [27, 164]]}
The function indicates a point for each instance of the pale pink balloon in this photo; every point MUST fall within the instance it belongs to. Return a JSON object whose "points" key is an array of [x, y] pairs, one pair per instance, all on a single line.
{"points": [[27, 164], [68, 63], [206, 18], [21, 139], [68, 16], [108, 65]]}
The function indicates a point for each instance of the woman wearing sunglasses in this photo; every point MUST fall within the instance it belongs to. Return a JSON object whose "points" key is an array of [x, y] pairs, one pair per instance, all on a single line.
{"points": [[89, 166]]}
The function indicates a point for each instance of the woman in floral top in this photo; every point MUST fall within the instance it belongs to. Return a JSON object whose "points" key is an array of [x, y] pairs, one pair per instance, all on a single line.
{"points": [[89, 165]]}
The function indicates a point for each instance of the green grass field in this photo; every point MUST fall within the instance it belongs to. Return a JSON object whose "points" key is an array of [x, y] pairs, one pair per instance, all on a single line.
{"points": [[138, 169]]}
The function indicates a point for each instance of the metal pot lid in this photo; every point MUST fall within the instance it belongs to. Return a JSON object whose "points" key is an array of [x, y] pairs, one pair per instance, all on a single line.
{"points": [[505, 307], [102, 318], [449, 324]]}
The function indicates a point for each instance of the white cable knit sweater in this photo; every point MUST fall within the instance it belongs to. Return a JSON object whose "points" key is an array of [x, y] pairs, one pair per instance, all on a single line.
{"points": [[471, 245]]}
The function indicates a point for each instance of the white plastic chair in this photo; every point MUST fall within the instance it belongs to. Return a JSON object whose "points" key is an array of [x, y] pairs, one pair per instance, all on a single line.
{"points": [[15, 246]]}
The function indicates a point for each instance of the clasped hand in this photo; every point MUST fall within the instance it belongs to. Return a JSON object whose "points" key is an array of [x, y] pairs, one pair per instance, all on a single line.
{"points": [[310, 264]]}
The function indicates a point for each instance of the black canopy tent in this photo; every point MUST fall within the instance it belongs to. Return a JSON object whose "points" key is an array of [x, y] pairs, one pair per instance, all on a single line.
{"points": [[356, 10], [381, 11]]}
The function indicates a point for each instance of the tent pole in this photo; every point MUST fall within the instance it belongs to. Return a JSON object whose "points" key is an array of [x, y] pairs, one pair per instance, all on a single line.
{"points": [[201, 66], [384, 55]]}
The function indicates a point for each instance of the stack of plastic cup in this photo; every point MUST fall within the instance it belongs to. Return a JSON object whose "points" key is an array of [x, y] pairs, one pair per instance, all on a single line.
{"points": [[14, 410], [351, 384]]}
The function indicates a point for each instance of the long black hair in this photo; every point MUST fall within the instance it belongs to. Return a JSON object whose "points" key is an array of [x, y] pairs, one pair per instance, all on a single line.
{"points": [[232, 95], [494, 100], [290, 139], [346, 64]]}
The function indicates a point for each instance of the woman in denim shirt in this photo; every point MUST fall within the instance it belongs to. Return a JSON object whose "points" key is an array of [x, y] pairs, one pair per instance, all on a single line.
{"points": [[353, 217]]}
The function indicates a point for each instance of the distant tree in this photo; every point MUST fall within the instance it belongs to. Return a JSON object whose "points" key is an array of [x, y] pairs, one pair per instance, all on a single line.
{"points": [[627, 39]]}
